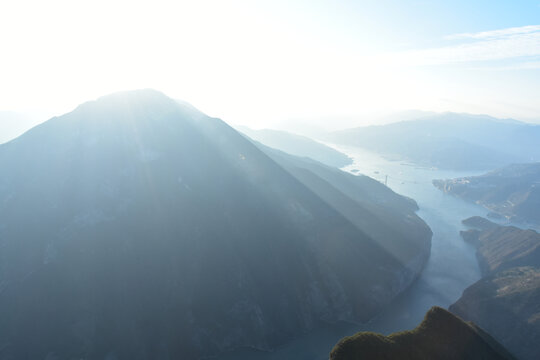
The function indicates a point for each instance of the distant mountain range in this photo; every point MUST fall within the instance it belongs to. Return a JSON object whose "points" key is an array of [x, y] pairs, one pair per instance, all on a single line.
{"points": [[512, 192], [136, 227], [506, 301], [449, 141], [298, 145], [441, 336]]}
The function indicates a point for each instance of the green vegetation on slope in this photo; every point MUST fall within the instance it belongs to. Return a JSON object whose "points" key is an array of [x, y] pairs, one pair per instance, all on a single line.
{"points": [[441, 335]]}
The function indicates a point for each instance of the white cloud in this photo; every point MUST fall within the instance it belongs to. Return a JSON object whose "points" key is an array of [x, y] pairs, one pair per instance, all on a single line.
{"points": [[496, 33], [504, 44], [525, 65]]}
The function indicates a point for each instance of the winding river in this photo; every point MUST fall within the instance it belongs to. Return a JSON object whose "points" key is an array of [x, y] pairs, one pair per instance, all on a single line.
{"points": [[451, 268]]}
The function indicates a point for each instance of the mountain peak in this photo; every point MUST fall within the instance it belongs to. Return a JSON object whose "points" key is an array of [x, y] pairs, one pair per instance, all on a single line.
{"points": [[121, 100]]}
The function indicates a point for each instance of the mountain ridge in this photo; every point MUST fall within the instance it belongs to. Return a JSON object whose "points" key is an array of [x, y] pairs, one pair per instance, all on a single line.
{"points": [[449, 141], [131, 215]]}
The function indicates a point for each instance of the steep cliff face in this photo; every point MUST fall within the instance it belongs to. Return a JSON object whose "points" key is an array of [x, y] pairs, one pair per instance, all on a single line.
{"points": [[383, 215], [512, 192], [441, 335], [506, 301], [137, 227]]}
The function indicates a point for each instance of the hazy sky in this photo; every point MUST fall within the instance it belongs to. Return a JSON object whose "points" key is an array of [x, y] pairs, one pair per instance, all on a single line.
{"points": [[263, 62]]}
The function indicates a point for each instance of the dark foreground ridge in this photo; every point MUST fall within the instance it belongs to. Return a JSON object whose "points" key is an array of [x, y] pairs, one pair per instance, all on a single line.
{"points": [[441, 335]]}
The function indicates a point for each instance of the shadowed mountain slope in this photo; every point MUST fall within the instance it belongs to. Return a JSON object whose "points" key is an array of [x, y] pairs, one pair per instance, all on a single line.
{"points": [[138, 227], [385, 216], [298, 145]]}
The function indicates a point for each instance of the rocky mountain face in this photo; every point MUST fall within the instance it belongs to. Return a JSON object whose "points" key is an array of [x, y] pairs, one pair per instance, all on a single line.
{"points": [[449, 141], [512, 192], [441, 335], [137, 227], [506, 301], [298, 145]]}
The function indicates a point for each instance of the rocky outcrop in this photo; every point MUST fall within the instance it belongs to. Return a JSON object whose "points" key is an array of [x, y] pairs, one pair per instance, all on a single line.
{"points": [[441, 335]]}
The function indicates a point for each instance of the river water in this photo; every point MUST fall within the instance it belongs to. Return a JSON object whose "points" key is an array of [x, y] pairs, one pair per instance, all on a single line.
{"points": [[451, 268]]}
